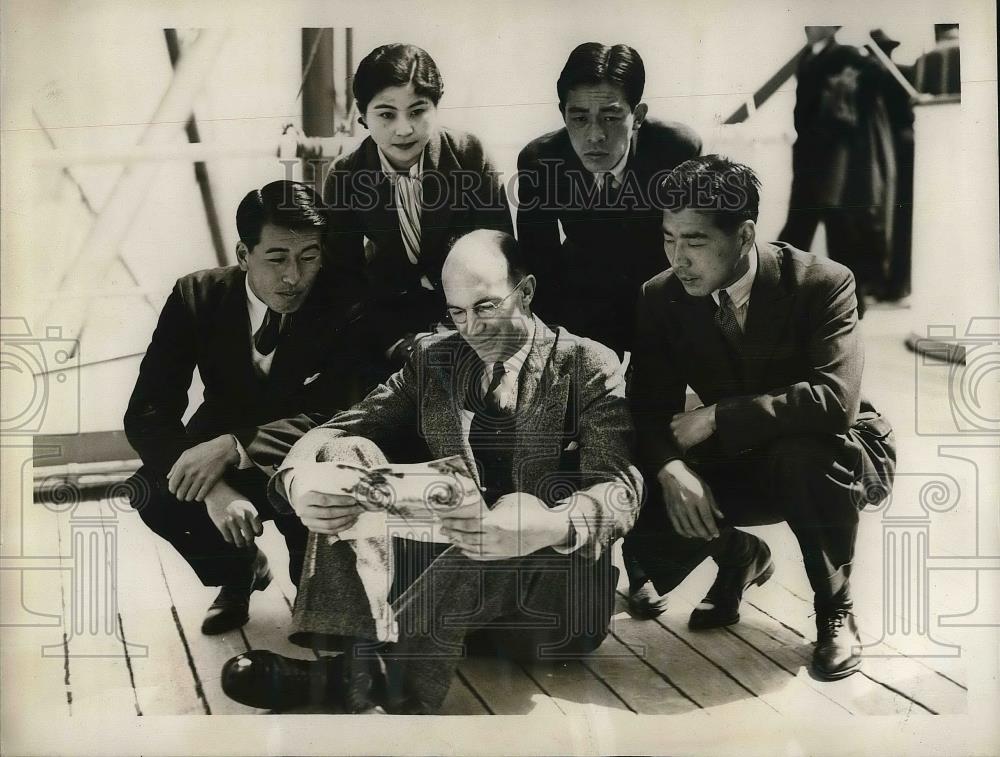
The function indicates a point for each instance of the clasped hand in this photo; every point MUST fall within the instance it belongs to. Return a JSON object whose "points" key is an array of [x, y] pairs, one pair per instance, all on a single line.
{"points": [[198, 469], [519, 524]]}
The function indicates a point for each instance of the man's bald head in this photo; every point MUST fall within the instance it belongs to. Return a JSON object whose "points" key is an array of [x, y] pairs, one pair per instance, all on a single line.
{"points": [[488, 292], [485, 253]]}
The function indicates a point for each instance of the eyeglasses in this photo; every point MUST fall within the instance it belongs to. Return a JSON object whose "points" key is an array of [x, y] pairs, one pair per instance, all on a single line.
{"points": [[483, 309]]}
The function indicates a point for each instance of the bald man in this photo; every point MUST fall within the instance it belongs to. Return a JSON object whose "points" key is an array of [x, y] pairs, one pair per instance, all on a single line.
{"points": [[540, 417]]}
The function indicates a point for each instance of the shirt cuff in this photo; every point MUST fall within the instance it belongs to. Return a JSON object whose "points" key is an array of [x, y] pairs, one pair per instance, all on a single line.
{"points": [[245, 461], [577, 537]]}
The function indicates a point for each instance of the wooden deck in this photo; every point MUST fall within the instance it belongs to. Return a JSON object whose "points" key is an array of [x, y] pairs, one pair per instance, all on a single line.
{"points": [[758, 667]]}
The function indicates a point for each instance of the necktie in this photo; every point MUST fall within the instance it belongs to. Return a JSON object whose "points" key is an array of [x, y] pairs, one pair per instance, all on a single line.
{"points": [[493, 399], [266, 338], [492, 437], [725, 317], [408, 200]]}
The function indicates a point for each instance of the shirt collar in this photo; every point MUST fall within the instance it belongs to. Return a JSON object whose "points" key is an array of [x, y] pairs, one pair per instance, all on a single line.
{"points": [[739, 292], [515, 362], [255, 306], [415, 171]]}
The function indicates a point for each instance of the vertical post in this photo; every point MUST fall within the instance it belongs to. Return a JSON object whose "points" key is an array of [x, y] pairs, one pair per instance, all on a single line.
{"points": [[200, 169], [318, 93]]}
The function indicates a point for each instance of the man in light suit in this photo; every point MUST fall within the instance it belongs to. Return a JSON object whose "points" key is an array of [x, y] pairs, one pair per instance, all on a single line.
{"points": [[540, 417], [272, 353], [767, 338]]}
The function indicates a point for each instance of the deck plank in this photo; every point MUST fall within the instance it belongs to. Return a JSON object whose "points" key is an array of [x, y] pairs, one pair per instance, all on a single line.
{"points": [[575, 688], [100, 681], [40, 681], [792, 652], [165, 683], [506, 688], [640, 686], [209, 653]]}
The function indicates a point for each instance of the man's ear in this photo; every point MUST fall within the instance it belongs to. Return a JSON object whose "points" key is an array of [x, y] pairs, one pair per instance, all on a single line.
{"points": [[640, 115], [362, 121], [241, 254], [528, 290], [747, 233]]}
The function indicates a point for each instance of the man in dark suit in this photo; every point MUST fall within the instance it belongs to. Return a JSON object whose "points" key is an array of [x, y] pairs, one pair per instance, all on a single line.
{"points": [[593, 178], [843, 165], [766, 337], [539, 419], [273, 356]]}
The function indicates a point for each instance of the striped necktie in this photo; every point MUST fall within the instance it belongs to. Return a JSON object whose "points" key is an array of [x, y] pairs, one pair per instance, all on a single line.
{"points": [[408, 200], [725, 318]]}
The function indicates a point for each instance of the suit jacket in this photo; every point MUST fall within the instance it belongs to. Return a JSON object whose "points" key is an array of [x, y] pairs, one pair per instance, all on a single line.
{"points": [[570, 389], [204, 324], [798, 372], [590, 283], [461, 192]]}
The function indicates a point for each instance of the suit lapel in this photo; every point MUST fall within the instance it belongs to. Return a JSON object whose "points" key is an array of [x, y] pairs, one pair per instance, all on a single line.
{"points": [[382, 215], [443, 398], [768, 311], [701, 331], [436, 205], [541, 405], [232, 341]]}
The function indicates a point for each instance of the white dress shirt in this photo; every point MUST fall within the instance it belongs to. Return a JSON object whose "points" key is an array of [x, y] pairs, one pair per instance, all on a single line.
{"points": [[739, 292], [617, 171], [257, 310]]}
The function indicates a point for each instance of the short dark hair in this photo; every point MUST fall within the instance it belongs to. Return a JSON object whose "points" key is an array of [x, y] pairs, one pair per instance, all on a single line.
{"points": [[728, 191], [288, 204], [517, 263], [596, 63], [396, 65]]}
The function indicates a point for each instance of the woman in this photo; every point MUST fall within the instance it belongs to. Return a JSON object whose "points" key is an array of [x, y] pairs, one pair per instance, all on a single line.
{"points": [[410, 188]]}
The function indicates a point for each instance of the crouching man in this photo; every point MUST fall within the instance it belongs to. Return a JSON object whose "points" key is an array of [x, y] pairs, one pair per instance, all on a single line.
{"points": [[767, 338]]}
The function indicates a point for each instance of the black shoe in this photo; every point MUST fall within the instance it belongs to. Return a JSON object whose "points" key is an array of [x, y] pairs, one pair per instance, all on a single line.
{"points": [[721, 606], [837, 645], [270, 681], [644, 603], [231, 608]]}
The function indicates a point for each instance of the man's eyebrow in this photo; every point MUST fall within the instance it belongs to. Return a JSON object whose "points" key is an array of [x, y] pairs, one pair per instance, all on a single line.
{"points": [[384, 105], [275, 249], [613, 106]]}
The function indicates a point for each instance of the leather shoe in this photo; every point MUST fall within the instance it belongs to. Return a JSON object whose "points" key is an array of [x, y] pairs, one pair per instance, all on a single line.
{"points": [[270, 681], [264, 679], [645, 604], [837, 644], [231, 608], [721, 605]]}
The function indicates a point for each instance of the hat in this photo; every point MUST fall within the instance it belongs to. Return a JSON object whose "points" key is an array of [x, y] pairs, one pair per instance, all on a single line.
{"points": [[884, 41]]}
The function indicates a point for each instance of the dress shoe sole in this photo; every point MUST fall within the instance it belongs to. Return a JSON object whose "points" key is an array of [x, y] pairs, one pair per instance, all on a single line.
{"points": [[710, 622], [824, 676]]}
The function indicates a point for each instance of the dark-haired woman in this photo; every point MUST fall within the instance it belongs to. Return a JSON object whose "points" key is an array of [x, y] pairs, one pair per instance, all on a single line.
{"points": [[409, 189]]}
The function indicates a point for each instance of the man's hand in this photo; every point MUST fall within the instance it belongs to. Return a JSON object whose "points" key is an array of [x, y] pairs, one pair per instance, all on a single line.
{"points": [[690, 504], [198, 469], [236, 520], [324, 513], [693, 427], [518, 525]]}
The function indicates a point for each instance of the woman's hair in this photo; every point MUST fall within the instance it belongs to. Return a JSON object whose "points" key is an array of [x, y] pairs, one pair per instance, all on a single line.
{"points": [[396, 65]]}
